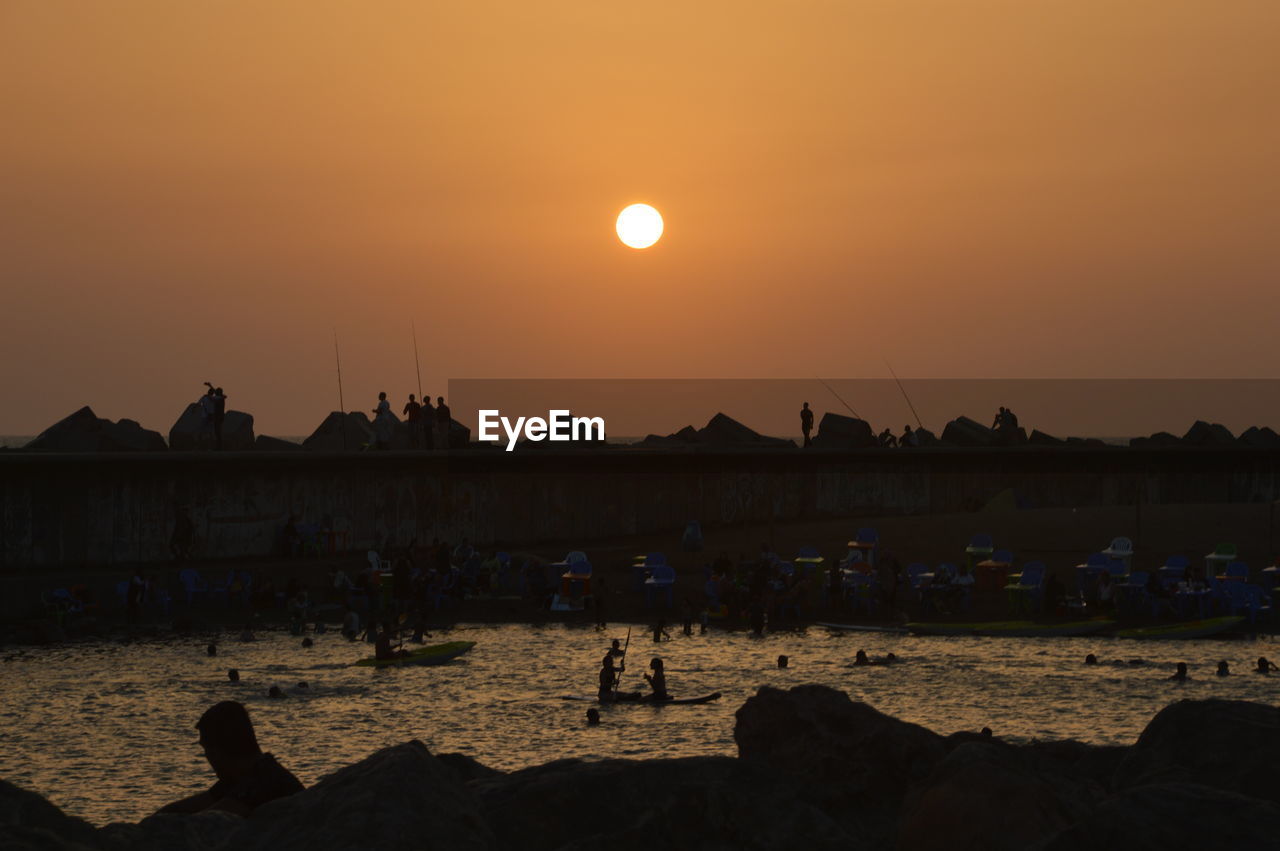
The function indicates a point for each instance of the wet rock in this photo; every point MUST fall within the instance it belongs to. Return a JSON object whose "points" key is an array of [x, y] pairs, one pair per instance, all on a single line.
{"points": [[1202, 433], [963, 431], [84, 431], [696, 802], [1260, 438], [341, 433], [836, 431], [723, 430], [849, 752], [275, 444], [1172, 817], [399, 799], [192, 431], [1227, 744], [27, 820], [990, 795]]}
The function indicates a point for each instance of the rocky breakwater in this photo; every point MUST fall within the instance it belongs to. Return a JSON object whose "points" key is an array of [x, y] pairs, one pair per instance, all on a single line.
{"points": [[815, 770]]}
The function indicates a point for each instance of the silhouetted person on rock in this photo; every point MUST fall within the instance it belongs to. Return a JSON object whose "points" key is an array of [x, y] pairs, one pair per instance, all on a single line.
{"points": [[218, 412], [382, 423], [413, 419], [887, 440], [247, 777], [909, 438], [1001, 418], [427, 422], [443, 419], [806, 423]]}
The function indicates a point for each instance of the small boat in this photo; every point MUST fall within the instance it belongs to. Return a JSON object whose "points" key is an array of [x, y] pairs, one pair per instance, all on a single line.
{"points": [[436, 654], [1186, 629], [857, 627], [1012, 629], [635, 697]]}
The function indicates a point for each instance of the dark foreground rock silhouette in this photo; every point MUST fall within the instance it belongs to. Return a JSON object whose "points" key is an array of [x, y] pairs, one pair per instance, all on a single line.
{"points": [[85, 431], [815, 770]]}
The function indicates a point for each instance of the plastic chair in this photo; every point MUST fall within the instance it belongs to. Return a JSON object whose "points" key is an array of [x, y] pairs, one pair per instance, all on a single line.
{"points": [[860, 590], [1237, 569], [867, 536], [192, 584], [1025, 594], [1002, 556], [660, 584], [1119, 548], [980, 544]]}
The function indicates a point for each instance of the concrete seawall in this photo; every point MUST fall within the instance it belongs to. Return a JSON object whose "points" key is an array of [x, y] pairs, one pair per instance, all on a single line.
{"points": [[121, 508]]}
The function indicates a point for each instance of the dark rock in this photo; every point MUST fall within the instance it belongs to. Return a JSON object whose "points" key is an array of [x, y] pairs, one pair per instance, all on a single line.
{"points": [[1087, 442], [29, 821], [653, 805], [459, 435], [687, 436], [399, 799], [1261, 438], [84, 431], [1208, 434], [1039, 438], [924, 437], [198, 832], [1172, 817], [990, 795], [275, 444], [1159, 440], [191, 431], [1228, 744], [837, 431], [963, 431], [848, 751], [341, 433], [466, 768], [722, 430]]}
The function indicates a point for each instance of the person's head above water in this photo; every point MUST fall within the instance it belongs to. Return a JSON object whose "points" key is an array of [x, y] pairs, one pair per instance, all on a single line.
{"points": [[227, 736], [1223, 668], [860, 656], [233, 675], [212, 649], [1091, 659], [1264, 664], [593, 716]]}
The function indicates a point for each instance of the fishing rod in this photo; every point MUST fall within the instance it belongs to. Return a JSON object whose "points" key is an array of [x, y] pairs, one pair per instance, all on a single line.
{"points": [[623, 664], [342, 407], [416, 362], [904, 394], [837, 395]]}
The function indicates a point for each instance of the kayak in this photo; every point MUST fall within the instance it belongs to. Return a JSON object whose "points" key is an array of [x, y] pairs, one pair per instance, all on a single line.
{"points": [[1187, 629], [1012, 629], [436, 654], [634, 697], [856, 627]]}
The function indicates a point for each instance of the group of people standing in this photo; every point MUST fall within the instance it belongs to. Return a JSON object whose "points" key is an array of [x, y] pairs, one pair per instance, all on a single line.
{"points": [[428, 425], [213, 411]]}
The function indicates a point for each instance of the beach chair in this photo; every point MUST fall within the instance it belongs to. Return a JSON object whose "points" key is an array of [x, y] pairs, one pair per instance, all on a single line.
{"points": [[865, 541], [192, 584], [1214, 562], [809, 560], [1173, 571], [1087, 573], [642, 567], [1237, 572], [860, 591], [980, 545], [1131, 595], [1025, 594], [1121, 548]]}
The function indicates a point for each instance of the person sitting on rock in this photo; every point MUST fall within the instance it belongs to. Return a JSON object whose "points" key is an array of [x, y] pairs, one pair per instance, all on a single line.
{"points": [[908, 438], [1181, 674], [247, 777], [657, 680], [887, 439]]}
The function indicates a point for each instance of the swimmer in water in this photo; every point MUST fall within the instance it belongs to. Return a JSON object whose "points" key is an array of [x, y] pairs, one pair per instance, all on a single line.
{"points": [[1181, 674], [1091, 659], [212, 649], [307, 642], [782, 661], [233, 675], [593, 717], [860, 658], [1266, 666], [276, 692], [889, 658], [1224, 670]]}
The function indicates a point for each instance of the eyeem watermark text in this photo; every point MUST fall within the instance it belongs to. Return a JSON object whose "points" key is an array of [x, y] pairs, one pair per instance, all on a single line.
{"points": [[558, 426]]}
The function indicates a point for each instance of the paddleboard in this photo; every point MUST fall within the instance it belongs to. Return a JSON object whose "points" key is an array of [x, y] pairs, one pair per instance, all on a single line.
{"points": [[857, 627], [1012, 629], [1184, 630], [436, 654], [637, 699]]}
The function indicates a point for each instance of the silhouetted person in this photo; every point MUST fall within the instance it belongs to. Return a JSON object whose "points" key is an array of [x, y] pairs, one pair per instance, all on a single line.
{"points": [[593, 717], [382, 648], [212, 649], [806, 423], [860, 658], [1266, 666], [657, 680], [1181, 673], [427, 421], [782, 661], [1224, 670], [307, 642], [887, 440], [909, 438], [660, 631], [997, 424], [608, 678], [217, 412], [615, 648], [247, 777], [276, 693], [413, 418], [443, 419], [233, 675], [382, 423], [1091, 659]]}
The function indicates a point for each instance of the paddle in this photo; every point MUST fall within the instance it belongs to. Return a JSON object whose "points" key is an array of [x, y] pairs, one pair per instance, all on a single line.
{"points": [[623, 665]]}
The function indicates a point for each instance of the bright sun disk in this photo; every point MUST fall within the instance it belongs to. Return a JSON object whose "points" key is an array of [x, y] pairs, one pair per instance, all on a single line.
{"points": [[639, 226]]}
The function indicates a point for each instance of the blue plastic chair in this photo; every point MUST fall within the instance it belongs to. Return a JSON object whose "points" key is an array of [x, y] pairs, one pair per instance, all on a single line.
{"points": [[1237, 568], [980, 543], [660, 583], [1026, 593], [1002, 556]]}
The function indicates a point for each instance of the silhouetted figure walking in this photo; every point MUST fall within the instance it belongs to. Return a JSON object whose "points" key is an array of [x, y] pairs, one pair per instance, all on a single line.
{"points": [[806, 423]]}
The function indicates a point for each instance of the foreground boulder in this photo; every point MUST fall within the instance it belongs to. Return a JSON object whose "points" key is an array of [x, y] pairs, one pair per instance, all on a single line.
{"points": [[29, 821], [723, 430], [963, 431], [1202, 433], [85, 431], [263, 443], [341, 433], [837, 431], [654, 805], [1259, 438], [192, 431]]}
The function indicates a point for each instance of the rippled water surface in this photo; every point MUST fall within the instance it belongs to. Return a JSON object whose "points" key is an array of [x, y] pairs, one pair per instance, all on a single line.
{"points": [[106, 730]]}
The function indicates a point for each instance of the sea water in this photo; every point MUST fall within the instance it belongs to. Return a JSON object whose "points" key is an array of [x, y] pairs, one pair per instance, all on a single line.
{"points": [[106, 729]]}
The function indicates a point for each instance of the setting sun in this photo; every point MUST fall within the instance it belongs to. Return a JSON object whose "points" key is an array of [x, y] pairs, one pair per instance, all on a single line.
{"points": [[639, 226]]}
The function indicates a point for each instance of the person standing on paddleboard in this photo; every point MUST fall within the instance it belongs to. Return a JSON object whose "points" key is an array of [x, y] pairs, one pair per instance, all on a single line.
{"points": [[609, 678]]}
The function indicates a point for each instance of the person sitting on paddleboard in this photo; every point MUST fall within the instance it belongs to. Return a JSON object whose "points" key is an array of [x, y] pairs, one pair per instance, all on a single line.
{"points": [[657, 681], [609, 678], [382, 649]]}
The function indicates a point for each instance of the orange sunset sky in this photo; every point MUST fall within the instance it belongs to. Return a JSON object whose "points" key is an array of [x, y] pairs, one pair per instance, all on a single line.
{"points": [[207, 190]]}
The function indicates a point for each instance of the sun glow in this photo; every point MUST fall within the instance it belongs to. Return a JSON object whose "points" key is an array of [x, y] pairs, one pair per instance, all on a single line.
{"points": [[639, 226]]}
